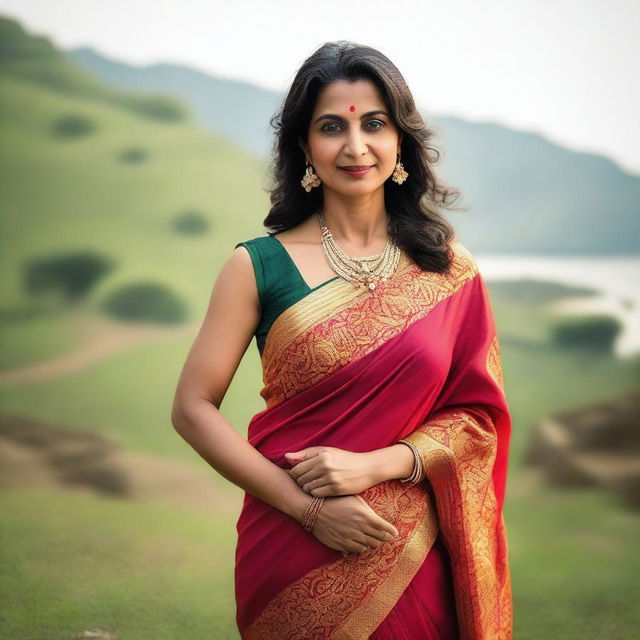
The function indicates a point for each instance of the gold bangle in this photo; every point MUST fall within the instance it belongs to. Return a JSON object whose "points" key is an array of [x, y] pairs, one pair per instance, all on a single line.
{"points": [[311, 514], [417, 475]]}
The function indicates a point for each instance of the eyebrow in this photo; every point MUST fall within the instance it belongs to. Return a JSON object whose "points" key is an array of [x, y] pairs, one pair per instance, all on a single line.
{"points": [[333, 116]]}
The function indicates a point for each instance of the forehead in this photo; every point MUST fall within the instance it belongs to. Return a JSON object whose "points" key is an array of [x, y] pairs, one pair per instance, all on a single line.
{"points": [[341, 94]]}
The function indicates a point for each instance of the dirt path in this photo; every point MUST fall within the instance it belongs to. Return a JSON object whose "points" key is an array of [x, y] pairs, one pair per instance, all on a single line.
{"points": [[34, 453], [99, 338]]}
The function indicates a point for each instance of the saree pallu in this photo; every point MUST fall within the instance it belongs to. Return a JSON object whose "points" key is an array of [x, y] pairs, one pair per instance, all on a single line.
{"points": [[416, 358]]}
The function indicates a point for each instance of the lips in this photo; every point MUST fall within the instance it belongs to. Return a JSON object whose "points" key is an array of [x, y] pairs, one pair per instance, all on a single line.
{"points": [[356, 170]]}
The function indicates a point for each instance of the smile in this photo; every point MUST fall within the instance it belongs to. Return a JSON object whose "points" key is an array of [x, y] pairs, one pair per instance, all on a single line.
{"points": [[357, 171]]}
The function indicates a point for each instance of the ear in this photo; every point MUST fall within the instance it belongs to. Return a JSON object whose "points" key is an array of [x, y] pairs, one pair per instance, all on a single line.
{"points": [[305, 149], [400, 138]]}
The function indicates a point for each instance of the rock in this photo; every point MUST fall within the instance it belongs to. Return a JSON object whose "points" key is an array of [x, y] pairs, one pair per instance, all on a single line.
{"points": [[61, 454], [597, 445], [96, 634]]}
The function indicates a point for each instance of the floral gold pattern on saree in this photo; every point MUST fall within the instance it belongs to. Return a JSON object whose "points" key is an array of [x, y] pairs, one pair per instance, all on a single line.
{"points": [[494, 366], [338, 324], [345, 599], [458, 447]]}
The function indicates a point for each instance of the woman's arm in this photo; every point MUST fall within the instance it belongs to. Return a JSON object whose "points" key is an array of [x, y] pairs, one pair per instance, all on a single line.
{"points": [[330, 471], [208, 432], [391, 463], [226, 332]]}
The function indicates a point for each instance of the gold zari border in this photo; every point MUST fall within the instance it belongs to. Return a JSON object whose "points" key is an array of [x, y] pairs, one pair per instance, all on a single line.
{"points": [[338, 324], [458, 450], [348, 598]]}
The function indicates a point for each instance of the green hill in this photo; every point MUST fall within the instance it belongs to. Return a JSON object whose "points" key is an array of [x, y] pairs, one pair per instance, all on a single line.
{"points": [[35, 58], [77, 192], [62, 193], [65, 193]]}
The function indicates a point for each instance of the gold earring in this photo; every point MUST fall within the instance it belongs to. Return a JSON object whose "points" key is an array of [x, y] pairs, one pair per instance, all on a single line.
{"points": [[310, 179], [399, 174]]}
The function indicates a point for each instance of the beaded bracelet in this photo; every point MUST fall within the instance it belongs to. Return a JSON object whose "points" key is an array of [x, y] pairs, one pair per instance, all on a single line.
{"points": [[311, 514], [418, 472]]}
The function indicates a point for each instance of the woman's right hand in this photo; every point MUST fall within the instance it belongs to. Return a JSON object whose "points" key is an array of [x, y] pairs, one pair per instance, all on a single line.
{"points": [[349, 524]]}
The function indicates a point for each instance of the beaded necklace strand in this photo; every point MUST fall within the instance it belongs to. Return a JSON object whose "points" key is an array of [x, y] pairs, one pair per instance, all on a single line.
{"points": [[364, 271]]}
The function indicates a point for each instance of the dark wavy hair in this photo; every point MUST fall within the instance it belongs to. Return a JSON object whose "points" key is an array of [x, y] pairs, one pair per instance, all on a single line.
{"points": [[416, 224]]}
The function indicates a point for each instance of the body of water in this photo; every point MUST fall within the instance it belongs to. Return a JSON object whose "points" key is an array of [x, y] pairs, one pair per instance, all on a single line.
{"points": [[617, 280]]}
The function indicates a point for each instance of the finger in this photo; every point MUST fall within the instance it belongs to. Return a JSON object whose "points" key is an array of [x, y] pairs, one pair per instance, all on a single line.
{"points": [[310, 457], [310, 476], [383, 525], [303, 467], [322, 492], [371, 541], [382, 535], [379, 522], [356, 547], [308, 487]]}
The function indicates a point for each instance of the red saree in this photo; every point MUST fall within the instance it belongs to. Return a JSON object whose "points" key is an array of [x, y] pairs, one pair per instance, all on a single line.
{"points": [[416, 358]]}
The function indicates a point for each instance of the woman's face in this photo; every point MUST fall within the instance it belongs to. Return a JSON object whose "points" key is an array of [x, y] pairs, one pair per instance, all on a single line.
{"points": [[351, 126]]}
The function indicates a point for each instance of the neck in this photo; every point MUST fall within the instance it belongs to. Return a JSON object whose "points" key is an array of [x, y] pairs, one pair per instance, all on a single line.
{"points": [[359, 222]]}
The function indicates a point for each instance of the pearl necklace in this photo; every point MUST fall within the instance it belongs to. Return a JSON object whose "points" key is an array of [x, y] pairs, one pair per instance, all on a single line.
{"points": [[365, 271]]}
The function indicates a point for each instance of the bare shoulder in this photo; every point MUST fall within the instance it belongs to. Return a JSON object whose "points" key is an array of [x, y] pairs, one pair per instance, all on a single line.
{"points": [[227, 329], [239, 259], [307, 232], [237, 275]]}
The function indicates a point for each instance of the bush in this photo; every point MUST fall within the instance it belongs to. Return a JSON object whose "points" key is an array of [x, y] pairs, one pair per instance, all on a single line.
{"points": [[71, 275], [133, 155], [145, 301], [73, 126], [191, 222], [597, 332]]}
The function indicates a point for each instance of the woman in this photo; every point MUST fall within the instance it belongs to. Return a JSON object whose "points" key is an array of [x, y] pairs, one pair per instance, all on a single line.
{"points": [[386, 429]]}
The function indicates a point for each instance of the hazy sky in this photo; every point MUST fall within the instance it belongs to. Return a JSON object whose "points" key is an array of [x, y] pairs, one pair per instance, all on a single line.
{"points": [[567, 69]]}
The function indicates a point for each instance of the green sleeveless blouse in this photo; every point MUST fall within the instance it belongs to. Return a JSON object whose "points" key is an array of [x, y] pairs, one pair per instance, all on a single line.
{"points": [[278, 280]]}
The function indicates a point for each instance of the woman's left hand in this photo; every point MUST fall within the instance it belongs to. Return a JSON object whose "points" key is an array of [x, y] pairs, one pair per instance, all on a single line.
{"points": [[328, 471]]}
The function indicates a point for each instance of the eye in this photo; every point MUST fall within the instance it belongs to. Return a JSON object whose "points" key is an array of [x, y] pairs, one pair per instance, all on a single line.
{"points": [[378, 122], [324, 128], [335, 127]]}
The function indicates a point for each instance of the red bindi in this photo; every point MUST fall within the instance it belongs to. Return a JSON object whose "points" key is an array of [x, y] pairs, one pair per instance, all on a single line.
{"points": [[352, 108]]}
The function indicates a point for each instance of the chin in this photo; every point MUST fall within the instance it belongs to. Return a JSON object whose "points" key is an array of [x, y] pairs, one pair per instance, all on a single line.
{"points": [[361, 191]]}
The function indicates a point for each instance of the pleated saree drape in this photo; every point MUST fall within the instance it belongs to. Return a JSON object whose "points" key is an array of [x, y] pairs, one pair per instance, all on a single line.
{"points": [[417, 358]]}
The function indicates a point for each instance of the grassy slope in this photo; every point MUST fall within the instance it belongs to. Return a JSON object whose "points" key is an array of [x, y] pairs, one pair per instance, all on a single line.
{"points": [[60, 194], [140, 570], [63, 194]]}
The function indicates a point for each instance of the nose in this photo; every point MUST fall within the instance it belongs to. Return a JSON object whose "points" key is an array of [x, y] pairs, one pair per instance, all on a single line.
{"points": [[356, 145]]}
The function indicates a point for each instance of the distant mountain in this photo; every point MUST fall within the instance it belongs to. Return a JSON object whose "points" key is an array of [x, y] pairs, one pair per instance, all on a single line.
{"points": [[237, 110], [524, 193], [528, 195]]}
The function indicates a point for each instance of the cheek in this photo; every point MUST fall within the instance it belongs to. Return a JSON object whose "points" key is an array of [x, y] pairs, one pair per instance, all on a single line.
{"points": [[325, 152], [387, 148], [389, 155]]}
